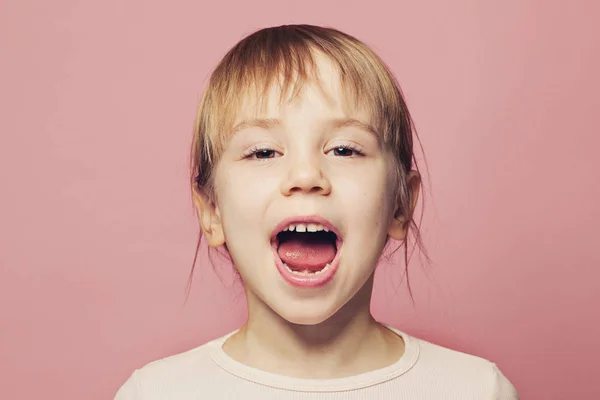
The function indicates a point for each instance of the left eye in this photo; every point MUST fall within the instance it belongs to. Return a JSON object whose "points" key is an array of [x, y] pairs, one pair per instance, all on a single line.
{"points": [[344, 151]]}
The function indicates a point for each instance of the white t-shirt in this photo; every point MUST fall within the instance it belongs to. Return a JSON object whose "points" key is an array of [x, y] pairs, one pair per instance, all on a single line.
{"points": [[425, 371]]}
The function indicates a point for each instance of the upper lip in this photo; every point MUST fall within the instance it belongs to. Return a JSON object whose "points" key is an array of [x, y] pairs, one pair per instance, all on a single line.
{"points": [[315, 219]]}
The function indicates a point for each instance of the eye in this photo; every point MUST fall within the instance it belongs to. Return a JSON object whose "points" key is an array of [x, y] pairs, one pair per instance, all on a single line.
{"points": [[264, 154], [345, 151], [260, 154]]}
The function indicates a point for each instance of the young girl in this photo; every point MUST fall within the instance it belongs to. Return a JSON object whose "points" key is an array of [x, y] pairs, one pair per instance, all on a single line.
{"points": [[303, 172]]}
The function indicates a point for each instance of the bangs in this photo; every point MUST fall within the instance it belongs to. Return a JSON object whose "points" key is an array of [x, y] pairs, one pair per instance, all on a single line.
{"points": [[285, 59]]}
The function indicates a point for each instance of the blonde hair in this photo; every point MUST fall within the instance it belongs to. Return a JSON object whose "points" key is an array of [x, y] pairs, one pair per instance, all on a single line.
{"points": [[285, 55]]}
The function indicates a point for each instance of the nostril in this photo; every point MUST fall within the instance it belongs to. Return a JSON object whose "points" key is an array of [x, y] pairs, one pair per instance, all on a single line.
{"points": [[305, 176], [313, 189]]}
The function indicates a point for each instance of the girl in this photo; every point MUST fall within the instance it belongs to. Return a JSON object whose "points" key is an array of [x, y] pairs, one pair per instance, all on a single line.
{"points": [[303, 171]]}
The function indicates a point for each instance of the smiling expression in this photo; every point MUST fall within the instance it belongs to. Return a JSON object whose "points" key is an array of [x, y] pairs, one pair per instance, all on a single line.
{"points": [[309, 162]]}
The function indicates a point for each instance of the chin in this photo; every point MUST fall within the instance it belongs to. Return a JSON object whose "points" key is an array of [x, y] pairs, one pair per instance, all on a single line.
{"points": [[305, 319], [306, 314]]}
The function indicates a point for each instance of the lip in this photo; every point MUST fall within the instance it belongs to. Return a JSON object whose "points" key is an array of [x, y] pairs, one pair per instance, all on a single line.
{"points": [[314, 280]]}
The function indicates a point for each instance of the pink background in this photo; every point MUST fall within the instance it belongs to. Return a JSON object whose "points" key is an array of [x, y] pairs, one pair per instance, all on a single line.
{"points": [[97, 232]]}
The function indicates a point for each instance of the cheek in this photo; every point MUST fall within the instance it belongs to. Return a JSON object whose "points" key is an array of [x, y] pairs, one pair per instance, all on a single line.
{"points": [[243, 198], [375, 211], [369, 190], [367, 216], [237, 185]]}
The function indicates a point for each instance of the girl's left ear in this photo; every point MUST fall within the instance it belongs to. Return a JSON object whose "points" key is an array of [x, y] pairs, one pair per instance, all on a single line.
{"points": [[210, 218], [399, 224]]}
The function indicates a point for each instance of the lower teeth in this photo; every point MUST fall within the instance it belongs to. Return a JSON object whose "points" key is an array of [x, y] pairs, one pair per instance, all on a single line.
{"points": [[307, 272]]}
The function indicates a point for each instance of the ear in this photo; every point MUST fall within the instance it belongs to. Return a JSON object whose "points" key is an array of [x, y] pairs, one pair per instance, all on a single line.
{"points": [[398, 226], [210, 217]]}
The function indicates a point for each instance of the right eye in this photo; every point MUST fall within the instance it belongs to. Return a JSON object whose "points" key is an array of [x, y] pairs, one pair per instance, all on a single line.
{"points": [[260, 154]]}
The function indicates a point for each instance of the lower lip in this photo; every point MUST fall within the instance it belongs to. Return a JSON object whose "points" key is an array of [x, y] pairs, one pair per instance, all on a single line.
{"points": [[311, 280]]}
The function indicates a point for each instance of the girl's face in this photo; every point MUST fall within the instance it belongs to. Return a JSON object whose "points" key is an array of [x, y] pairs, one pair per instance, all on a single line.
{"points": [[302, 161]]}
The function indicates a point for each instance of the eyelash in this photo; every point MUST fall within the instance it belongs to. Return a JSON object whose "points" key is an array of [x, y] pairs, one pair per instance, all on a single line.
{"points": [[255, 150], [349, 146]]}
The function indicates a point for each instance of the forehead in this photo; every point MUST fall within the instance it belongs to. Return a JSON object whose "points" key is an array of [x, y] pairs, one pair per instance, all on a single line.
{"points": [[321, 89]]}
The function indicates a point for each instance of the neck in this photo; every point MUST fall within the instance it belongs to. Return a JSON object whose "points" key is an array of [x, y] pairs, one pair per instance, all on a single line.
{"points": [[348, 343]]}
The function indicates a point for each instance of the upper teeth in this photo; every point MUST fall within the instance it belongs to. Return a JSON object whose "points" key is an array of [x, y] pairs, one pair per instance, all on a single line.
{"points": [[310, 227]]}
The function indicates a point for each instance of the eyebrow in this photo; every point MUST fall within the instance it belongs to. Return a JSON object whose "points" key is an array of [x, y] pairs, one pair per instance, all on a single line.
{"points": [[264, 123], [335, 124], [351, 122]]}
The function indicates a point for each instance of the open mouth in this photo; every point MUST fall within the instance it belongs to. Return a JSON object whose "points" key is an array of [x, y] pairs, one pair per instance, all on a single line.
{"points": [[307, 252]]}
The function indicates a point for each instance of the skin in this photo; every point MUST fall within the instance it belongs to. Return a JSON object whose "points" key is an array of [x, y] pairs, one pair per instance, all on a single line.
{"points": [[301, 169]]}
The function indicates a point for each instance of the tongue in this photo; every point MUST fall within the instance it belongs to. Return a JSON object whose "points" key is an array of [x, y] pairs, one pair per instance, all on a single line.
{"points": [[306, 252]]}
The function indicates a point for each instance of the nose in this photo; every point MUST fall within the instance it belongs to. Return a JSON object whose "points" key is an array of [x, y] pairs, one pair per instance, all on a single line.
{"points": [[306, 176]]}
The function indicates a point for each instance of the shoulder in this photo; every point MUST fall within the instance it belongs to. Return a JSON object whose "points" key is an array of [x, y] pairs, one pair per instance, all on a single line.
{"points": [[437, 356], [158, 378], [462, 372]]}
